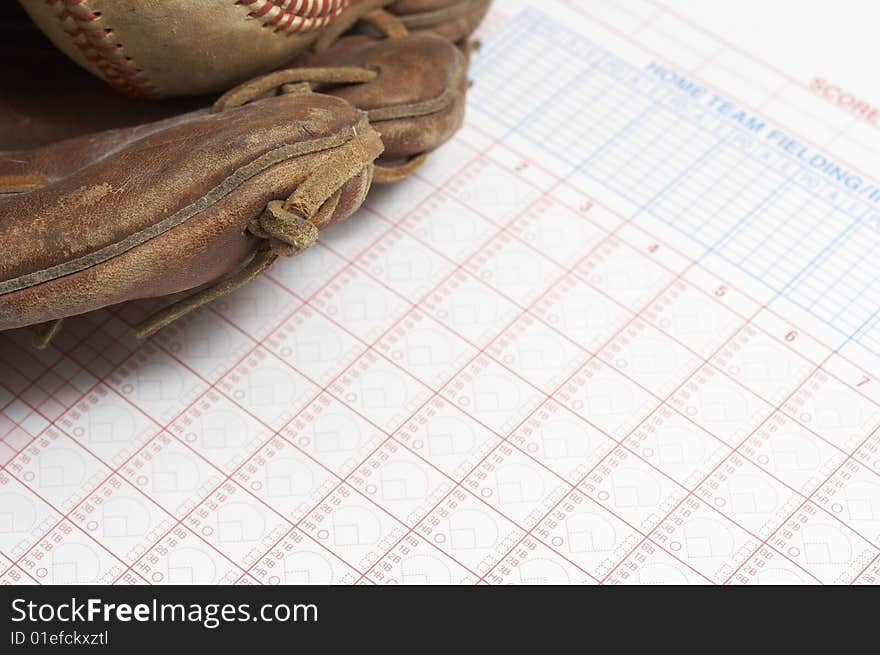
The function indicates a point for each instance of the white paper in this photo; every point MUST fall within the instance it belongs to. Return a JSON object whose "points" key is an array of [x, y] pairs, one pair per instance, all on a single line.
{"points": [[623, 329]]}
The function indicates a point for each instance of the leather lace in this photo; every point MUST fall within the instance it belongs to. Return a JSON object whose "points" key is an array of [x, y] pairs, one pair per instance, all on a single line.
{"points": [[285, 228]]}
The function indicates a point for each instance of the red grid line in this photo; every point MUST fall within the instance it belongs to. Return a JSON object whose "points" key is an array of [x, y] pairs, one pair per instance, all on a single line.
{"points": [[353, 263]]}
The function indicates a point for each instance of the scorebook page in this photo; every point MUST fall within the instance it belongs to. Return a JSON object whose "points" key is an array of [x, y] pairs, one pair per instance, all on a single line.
{"points": [[625, 328]]}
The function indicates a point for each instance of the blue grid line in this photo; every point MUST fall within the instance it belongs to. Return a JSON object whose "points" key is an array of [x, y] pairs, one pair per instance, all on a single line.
{"points": [[779, 278]]}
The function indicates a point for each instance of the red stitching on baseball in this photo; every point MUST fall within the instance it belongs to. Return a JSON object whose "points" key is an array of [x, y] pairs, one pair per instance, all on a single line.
{"points": [[95, 42], [294, 16]]}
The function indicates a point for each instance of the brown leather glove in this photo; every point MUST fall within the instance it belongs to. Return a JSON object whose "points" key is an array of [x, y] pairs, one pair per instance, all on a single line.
{"points": [[206, 199], [169, 206]]}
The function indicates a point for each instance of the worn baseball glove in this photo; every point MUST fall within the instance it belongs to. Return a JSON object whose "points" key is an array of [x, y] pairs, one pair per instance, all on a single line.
{"points": [[106, 198]]}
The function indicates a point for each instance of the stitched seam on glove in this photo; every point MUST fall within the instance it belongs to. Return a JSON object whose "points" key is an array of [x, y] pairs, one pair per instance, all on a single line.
{"points": [[425, 108], [413, 110]]}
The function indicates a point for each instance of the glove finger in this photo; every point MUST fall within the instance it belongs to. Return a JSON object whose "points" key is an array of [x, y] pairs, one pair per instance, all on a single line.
{"points": [[166, 207], [416, 102]]}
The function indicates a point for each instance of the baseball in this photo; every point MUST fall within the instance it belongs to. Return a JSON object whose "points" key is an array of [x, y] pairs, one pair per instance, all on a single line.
{"points": [[181, 47]]}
